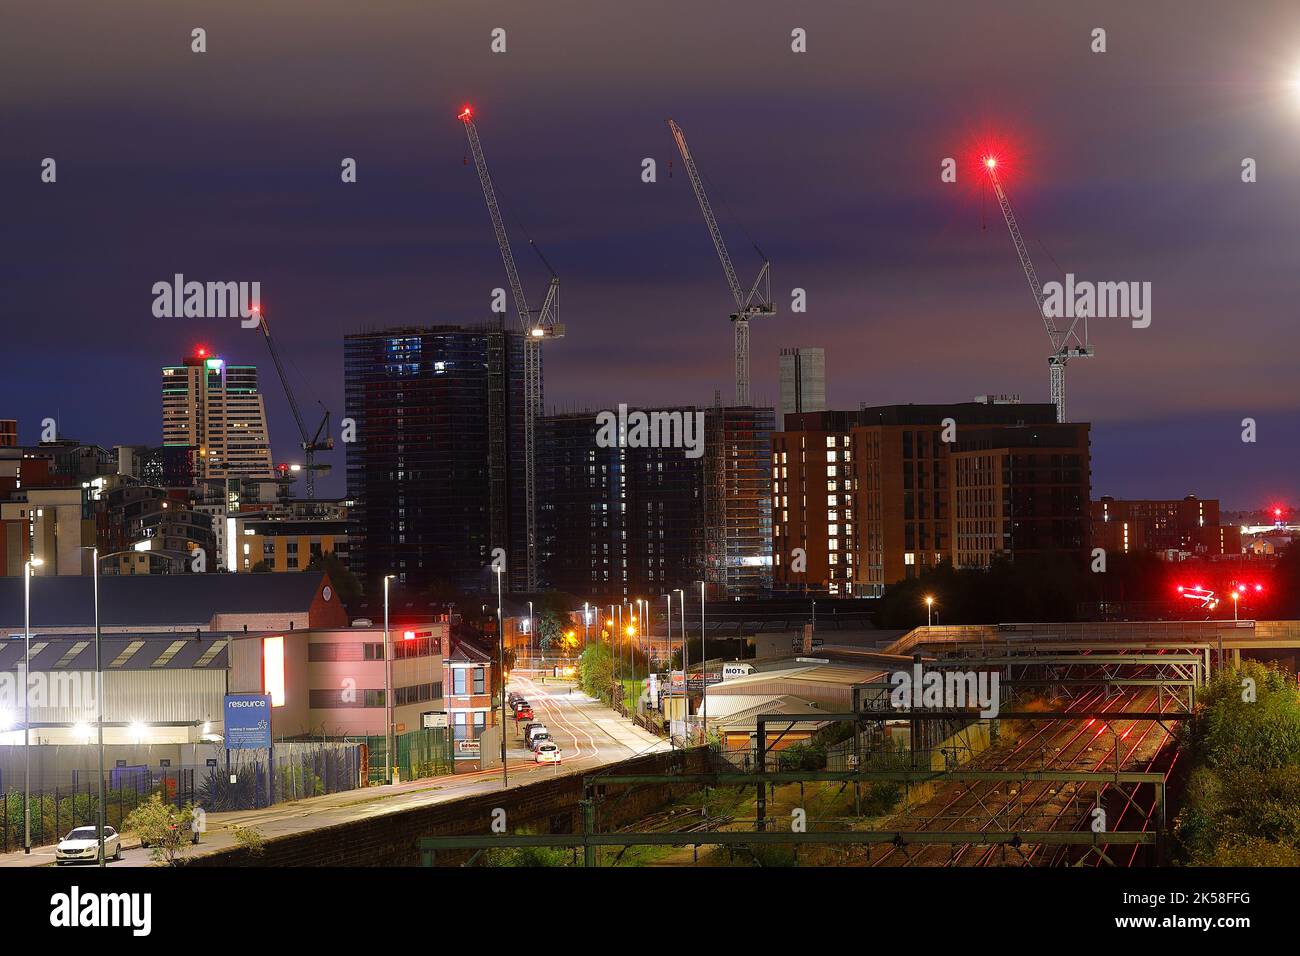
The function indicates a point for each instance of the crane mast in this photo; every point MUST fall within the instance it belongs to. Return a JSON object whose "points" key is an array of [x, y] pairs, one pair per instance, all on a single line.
{"points": [[1067, 343], [535, 327], [308, 445], [759, 299]]}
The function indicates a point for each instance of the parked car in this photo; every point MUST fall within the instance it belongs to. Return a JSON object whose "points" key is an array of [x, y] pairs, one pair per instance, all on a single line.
{"points": [[538, 740], [524, 713], [514, 697], [533, 730], [547, 752], [79, 846]]}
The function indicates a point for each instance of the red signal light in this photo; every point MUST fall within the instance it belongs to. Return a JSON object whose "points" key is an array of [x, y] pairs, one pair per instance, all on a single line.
{"points": [[465, 113], [1259, 587], [990, 162]]}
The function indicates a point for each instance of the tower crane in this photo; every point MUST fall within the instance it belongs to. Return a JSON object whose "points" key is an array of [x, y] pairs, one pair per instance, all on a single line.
{"points": [[1067, 343], [535, 325], [321, 440], [754, 304]]}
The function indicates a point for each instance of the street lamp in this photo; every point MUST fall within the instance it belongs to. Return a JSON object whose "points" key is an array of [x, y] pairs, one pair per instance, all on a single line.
{"points": [[929, 604], [27, 700], [586, 620], [1236, 597], [388, 693], [99, 705], [501, 655], [686, 696], [530, 631], [704, 675]]}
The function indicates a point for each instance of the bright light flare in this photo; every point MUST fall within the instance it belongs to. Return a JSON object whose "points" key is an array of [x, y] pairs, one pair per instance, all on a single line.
{"points": [[990, 162]]}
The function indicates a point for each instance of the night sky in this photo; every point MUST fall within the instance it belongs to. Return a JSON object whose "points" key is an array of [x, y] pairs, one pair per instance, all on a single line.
{"points": [[225, 166]]}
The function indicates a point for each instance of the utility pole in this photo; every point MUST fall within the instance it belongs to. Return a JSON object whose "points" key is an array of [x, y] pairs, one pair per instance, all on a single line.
{"points": [[501, 660]]}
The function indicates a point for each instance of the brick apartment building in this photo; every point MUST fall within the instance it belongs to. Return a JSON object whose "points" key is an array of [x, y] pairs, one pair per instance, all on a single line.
{"points": [[1189, 525], [876, 496]]}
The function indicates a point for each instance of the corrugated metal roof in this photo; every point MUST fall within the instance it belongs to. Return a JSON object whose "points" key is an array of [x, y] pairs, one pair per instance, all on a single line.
{"points": [[746, 719], [56, 653], [152, 600]]}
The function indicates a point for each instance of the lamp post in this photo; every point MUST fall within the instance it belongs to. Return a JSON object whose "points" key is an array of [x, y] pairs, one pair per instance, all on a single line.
{"points": [[27, 700], [501, 656], [530, 631], [704, 675], [929, 603], [99, 705], [586, 620], [388, 693], [686, 687]]}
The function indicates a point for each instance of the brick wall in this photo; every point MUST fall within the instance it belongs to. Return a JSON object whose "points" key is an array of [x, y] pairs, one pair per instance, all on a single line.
{"points": [[549, 806]]}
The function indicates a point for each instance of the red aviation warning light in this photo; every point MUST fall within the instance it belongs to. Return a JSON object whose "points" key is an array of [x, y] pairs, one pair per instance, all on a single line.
{"points": [[465, 113], [990, 162]]}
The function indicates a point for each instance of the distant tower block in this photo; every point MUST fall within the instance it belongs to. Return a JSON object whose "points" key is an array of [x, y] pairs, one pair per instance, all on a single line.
{"points": [[803, 381]]}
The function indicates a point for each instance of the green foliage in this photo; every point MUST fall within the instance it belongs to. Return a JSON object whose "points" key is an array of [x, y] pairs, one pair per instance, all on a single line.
{"points": [[345, 582], [250, 839], [550, 629], [1236, 734], [165, 829], [1242, 800], [881, 798], [802, 756], [529, 856], [596, 672]]}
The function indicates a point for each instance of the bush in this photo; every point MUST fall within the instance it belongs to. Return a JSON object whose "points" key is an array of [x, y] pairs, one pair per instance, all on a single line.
{"points": [[529, 856], [1242, 802], [163, 828], [250, 839]]}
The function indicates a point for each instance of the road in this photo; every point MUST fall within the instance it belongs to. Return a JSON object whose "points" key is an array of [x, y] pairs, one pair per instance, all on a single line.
{"points": [[590, 735]]}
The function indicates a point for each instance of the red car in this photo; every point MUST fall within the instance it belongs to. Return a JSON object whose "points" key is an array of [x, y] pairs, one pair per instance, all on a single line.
{"points": [[523, 713]]}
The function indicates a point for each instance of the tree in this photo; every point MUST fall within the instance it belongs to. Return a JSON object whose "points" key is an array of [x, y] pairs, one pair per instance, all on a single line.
{"points": [[165, 830], [345, 582]]}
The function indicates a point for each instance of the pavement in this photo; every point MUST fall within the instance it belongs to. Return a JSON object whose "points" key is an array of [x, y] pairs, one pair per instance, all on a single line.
{"points": [[590, 735]]}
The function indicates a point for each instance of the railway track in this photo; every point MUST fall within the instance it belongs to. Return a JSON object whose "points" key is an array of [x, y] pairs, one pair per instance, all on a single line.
{"points": [[1036, 805]]}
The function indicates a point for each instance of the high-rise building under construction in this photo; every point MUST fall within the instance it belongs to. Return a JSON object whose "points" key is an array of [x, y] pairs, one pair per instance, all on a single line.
{"points": [[436, 469]]}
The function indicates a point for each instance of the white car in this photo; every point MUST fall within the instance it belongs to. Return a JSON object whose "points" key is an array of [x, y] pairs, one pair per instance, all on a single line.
{"points": [[547, 752], [80, 845]]}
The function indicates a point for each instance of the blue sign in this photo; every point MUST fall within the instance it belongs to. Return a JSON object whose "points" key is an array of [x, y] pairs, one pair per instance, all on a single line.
{"points": [[248, 721]]}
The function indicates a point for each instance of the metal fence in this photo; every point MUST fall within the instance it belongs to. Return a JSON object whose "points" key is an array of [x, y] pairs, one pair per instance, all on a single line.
{"points": [[420, 753], [299, 770]]}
